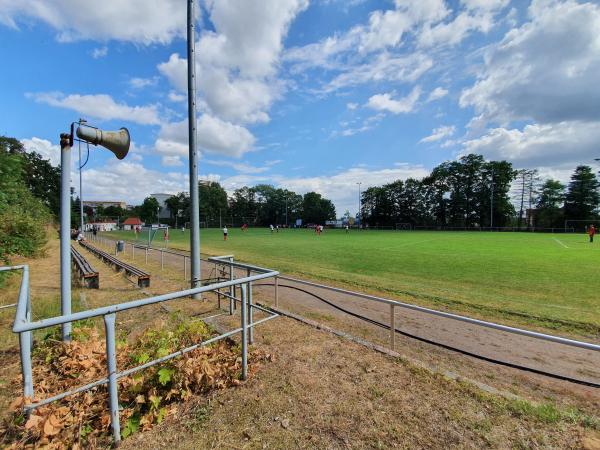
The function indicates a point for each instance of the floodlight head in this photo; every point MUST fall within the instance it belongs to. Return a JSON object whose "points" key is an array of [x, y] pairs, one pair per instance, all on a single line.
{"points": [[116, 141]]}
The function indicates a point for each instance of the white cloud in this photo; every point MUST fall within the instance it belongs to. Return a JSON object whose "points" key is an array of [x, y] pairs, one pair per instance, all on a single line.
{"points": [[352, 106], [171, 161], [213, 135], [130, 182], [140, 83], [439, 133], [139, 21], [100, 52], [382, 68], [99, 106], [437, 93], [237, 63], [544, 71], [46, 149], [385, 102], [240, 167], [541, 145], [177, 98], [341, 187]]}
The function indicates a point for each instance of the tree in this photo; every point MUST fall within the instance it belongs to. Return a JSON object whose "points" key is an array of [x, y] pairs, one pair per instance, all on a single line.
{"points": [[550, 205], [495, 194], [213, 203], [40, 177], [149, 209], [316, 209], [178, 206], [582, 199]]}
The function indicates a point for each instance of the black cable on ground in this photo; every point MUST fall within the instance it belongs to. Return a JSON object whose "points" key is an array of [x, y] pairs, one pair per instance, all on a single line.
{"points": [[439, 344]]}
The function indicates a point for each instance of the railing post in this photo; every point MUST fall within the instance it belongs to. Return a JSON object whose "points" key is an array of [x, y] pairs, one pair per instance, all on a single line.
{"points": [[250, 312], [25, 345], [276, 292], [162, 266], [392, 327], [111, 363], [146, 255], [184, 268], [133, 251], [244, 334], [231, 290]]}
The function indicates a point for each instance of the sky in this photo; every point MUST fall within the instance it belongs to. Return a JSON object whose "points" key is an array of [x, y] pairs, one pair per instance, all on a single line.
{"points": [[306, 95]]}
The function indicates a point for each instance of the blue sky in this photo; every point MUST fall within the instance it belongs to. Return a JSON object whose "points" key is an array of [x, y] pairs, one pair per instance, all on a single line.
{"points": [[307, 95]]}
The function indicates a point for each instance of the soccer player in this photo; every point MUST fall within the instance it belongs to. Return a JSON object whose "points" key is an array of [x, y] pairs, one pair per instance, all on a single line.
{"points": [[272, 228], [591, 232], [225, 233]]}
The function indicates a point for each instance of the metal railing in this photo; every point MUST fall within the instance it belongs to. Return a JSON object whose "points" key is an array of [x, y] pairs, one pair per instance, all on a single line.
{"points": [[396, 304], [24, 326]]}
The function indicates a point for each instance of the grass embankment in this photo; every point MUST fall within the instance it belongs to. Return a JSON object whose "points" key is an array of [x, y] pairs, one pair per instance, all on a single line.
{"points": [[540, 279]]}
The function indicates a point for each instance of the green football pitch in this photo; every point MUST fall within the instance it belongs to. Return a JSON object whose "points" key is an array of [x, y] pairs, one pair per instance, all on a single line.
{"points": [[548, 280]]}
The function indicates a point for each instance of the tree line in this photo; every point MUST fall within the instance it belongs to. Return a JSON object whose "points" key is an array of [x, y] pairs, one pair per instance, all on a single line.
{"points": [[472, 192], [260, 205]]}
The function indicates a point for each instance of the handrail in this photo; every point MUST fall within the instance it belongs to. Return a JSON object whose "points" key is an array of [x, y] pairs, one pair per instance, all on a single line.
{"points": [[483, 323]]}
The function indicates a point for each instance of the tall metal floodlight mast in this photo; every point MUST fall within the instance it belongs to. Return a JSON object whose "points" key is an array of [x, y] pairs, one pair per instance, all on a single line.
{"points": [[195, 213]]}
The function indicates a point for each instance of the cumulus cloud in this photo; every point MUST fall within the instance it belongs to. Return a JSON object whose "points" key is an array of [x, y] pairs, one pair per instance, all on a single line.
{"points": [[539, 145], [46, 149], [237, 63], [439, 133], [213, 135], [545, 71], [139, 21], [385, 102], [99, 106]]}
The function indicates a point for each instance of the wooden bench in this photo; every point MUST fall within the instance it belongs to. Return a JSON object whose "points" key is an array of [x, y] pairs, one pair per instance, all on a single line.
{"points": [[88, 276], [142, 277]]}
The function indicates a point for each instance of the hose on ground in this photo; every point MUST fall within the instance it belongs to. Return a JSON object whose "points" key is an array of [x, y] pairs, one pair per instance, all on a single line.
{"points": [[440, 344]]}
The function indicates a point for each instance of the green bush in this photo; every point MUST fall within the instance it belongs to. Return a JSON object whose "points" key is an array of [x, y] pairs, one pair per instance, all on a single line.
{"points": [[23, 217]]}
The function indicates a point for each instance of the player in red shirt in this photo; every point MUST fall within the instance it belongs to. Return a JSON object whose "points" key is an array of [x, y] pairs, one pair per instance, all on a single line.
{"points": [[591, 232]]}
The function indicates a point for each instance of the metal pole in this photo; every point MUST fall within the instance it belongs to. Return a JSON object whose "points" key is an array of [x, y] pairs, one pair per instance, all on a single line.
{"points": [[231, 293], [244, 334], [193, 154], [185, 269], [111, 363], [276, 292], [360, 224], [65, 232], [250, 311], [162, 266], [392, 328], [132, 251], [492, 202], [146, 255], [25, 342], [80, 191]]}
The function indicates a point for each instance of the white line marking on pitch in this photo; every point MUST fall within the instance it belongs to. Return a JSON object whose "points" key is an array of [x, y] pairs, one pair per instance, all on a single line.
{"points": [[560, 242]]}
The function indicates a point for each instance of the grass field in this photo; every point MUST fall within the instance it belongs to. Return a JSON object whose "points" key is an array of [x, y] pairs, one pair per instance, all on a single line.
{"points": [[550, 280]]}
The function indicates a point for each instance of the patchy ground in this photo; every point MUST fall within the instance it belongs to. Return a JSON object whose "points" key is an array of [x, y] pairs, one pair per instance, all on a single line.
{"points": [[319, 390]]}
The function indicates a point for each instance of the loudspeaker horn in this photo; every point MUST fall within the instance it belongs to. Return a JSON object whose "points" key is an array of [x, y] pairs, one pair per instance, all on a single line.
{"points": [[116, 141]]}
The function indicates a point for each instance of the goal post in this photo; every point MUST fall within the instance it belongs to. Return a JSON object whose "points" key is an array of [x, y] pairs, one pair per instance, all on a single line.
{"points": [[402, 226]]}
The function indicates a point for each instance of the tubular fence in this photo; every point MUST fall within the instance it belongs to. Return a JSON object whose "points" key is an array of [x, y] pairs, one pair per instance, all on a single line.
{"points": [[24, 326]]}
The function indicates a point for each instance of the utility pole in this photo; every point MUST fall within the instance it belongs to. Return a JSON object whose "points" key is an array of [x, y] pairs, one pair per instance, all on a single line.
{"points": [[193, 153], [286, 211]]}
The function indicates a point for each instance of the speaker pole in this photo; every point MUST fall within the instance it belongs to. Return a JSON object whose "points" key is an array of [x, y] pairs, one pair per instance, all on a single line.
{"points": [[193, 163], [65, 231]]}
